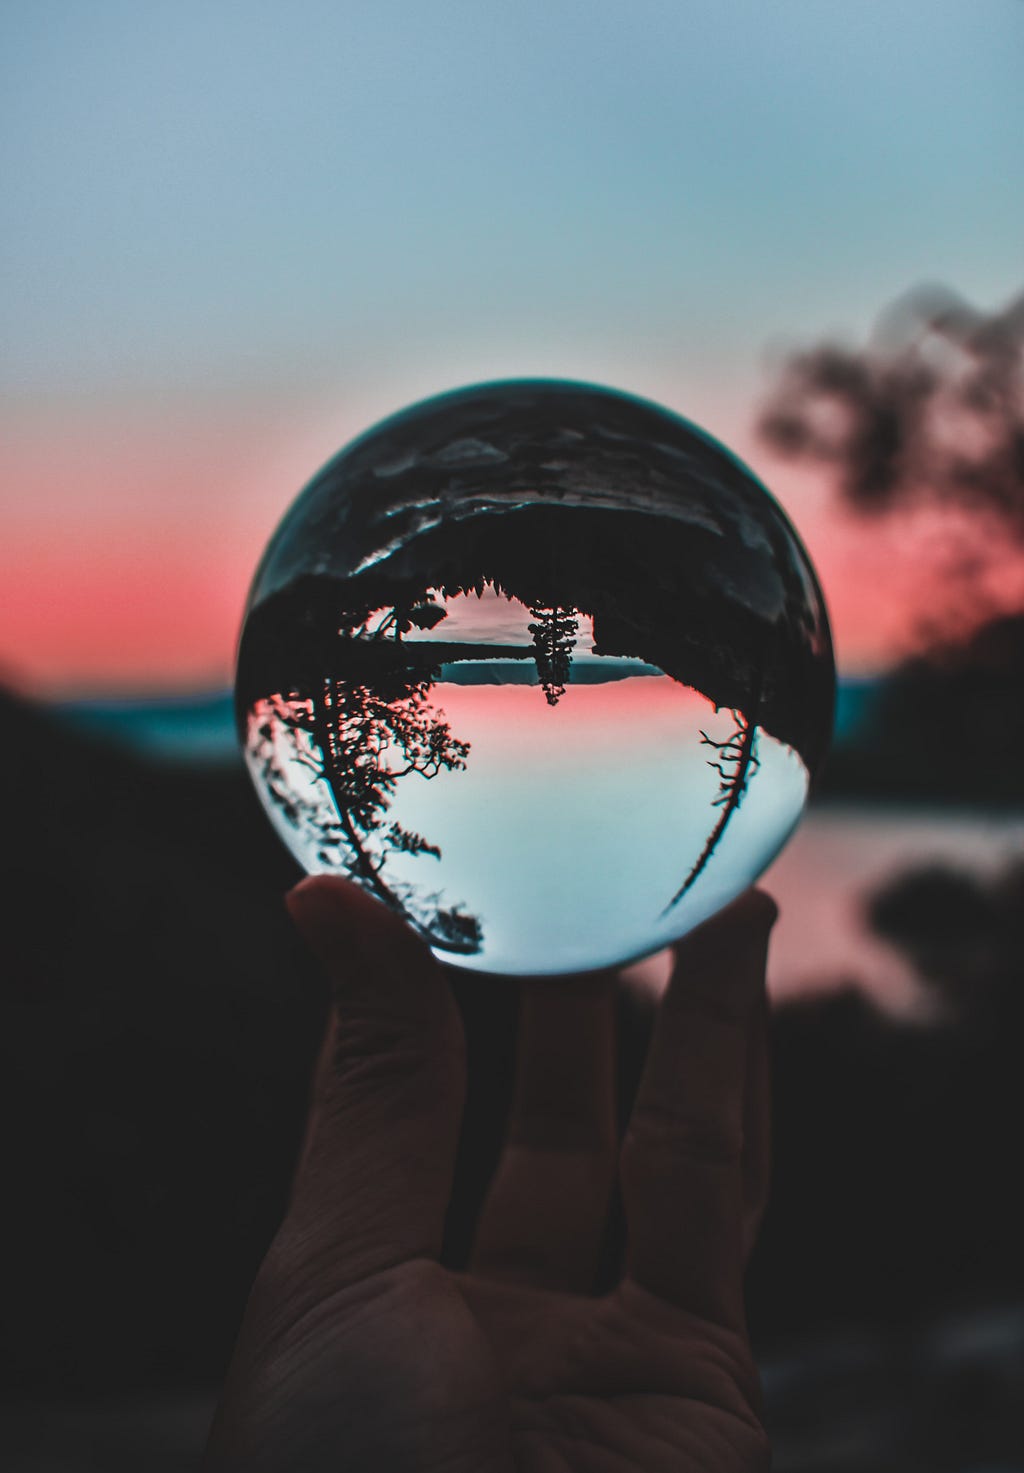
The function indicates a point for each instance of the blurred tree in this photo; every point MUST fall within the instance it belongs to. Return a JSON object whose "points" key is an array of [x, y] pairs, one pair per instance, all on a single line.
{"points": [[930, 412], [929, 416]]}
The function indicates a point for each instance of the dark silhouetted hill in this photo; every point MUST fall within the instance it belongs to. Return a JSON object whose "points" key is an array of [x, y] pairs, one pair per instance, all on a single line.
{"points": [[946, 725]]}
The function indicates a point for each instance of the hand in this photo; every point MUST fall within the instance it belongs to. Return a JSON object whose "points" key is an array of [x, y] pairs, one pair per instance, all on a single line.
{"points": [[359, 1351]]}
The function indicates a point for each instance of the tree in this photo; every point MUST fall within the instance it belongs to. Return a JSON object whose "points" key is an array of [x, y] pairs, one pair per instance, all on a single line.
{"points": [[554, 639], [735, 761], [423, 614], [927, 416], [360, 738]]}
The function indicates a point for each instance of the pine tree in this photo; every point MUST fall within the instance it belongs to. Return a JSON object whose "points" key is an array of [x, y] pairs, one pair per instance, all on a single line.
{"points": [[554, 639]]}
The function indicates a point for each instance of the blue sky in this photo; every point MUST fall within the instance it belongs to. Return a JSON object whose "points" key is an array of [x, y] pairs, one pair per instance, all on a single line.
{"points": [[202, 192]]}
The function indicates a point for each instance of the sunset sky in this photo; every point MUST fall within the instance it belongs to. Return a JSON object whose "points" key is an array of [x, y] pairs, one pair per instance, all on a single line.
{"points": [[234, 235]]}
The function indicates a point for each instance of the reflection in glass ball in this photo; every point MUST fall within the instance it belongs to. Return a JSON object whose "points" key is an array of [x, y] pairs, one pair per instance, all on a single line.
{"points": [[544, 668]]}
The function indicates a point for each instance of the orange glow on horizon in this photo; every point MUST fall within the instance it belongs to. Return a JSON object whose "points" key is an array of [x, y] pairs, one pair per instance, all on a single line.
{"points": [[129, 547], [599, 712]]}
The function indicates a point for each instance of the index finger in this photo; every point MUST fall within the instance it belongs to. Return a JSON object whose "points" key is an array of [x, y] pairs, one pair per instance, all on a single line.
{"points": [[373, 1184], [681, 1167]]}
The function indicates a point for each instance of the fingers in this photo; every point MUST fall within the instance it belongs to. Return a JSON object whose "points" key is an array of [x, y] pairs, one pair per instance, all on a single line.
{"points": [[544, 1217], [681, 1169], [373, 1183]]}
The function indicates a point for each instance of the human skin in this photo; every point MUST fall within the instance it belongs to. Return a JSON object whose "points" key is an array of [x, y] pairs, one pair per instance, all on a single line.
{"points": [[360, 1351]]}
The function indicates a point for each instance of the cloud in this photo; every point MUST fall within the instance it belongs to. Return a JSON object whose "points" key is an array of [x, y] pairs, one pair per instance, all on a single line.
{"points": [[930, 412]]}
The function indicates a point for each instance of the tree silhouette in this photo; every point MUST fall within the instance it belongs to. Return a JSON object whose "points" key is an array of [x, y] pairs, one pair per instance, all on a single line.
{"points": [[422, 614], [554, 639], [927, 416], [360, 738], [735, 761]]}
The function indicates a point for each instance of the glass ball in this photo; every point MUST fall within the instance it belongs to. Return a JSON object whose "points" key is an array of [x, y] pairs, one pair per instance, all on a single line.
{"points": [[544, 668]]}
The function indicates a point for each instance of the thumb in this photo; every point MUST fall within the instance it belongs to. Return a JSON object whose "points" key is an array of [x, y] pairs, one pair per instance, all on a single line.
{"points": [[373, 1184]]}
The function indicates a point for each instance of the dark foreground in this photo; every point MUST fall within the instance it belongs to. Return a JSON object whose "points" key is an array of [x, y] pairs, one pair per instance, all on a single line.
{"points": [[157, 1023]]}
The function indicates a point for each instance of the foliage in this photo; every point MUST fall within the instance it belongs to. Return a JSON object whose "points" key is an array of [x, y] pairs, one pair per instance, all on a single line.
{"points": [[554, 639], [360, 740]]}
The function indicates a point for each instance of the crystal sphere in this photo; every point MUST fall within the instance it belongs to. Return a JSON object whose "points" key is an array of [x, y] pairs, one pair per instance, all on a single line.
{"points": [[543, 667]]}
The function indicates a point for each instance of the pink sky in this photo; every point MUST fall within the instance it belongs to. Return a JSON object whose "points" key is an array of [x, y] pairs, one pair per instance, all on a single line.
{"points": [[130, 542]]}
